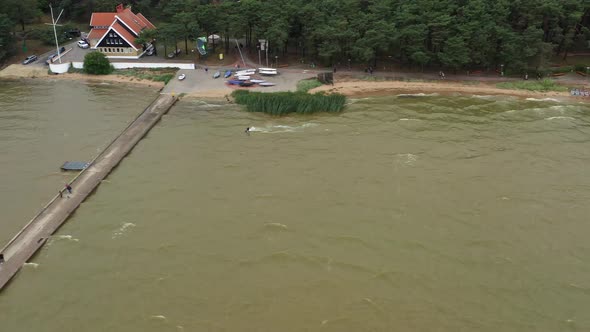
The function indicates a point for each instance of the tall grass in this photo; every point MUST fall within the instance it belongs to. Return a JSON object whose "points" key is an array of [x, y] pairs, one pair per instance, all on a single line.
{"points": [[281, 103], [152, 74], [543, 85]]}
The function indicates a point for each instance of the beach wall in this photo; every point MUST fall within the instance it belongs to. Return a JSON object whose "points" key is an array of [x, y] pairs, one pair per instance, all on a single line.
{"points": [[126, 65], [59, 68]]}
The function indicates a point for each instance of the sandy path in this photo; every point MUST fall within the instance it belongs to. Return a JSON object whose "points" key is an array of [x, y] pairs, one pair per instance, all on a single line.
{"points": [[20, 71], [108, 78]]}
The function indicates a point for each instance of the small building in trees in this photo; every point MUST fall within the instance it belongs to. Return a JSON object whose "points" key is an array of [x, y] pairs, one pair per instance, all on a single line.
{"points": [[114, 34]]}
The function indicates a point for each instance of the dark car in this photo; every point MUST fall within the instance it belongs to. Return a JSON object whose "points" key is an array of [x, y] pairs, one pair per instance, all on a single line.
{"points": [[72, 33], [53, 55], [30, 59]]}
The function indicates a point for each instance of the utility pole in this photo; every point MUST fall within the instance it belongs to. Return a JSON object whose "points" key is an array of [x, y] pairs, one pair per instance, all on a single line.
{"points": [[54, 31], [238, 45]]}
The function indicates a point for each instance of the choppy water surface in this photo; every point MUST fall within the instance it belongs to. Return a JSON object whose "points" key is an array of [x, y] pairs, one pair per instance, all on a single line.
{"points": [[44, 124], [408, 213]]}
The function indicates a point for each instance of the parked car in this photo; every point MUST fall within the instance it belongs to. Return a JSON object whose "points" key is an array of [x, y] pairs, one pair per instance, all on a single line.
{"points": [[53, 55], [150, 50], [83, 44], [72, 33], [30, 59]]}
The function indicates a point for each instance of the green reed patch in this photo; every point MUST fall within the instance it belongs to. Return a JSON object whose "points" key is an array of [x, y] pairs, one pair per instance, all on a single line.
{"points": [[543, 85], [281, 103]]}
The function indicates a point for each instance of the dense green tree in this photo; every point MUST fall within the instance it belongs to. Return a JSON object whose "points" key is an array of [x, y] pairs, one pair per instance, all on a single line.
{"points": [[455, 34], [187, 27], [7, 40], [455, 53], [96, 63], [21, 11]]}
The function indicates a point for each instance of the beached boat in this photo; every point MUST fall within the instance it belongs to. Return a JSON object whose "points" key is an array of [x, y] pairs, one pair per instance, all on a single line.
{"points": [[243, 78], [233, 82], [267, 71], [257, 81], [247, 72], [266, 84], [227, 74], [217, 74], [246, 83], [181, 77]]}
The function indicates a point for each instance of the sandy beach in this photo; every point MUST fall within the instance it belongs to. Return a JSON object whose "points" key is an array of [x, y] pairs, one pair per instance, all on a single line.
{"points": [[17, 71], [356, 88]]}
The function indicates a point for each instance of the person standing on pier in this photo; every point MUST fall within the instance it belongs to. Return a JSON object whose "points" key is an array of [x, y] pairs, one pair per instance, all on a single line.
{"points": [[68, 188]]}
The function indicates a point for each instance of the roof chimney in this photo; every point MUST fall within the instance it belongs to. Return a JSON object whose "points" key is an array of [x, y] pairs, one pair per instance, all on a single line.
{"points": [[120, 8]]}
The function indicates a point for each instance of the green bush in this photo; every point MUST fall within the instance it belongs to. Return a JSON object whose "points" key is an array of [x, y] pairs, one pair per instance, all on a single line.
{"points": [[96, 63], [581, 68], [281, 103], [306, 85], [557, 70]]}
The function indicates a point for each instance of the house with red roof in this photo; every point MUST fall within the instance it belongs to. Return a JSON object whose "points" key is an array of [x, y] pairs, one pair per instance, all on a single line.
{"points": [[114, 34]]}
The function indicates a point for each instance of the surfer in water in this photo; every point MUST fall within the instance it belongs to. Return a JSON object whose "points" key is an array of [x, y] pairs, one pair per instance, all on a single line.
{"points": [[247, 131]]}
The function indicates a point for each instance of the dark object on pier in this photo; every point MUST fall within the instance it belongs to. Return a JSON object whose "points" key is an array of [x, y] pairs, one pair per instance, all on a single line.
{"points": [[74, 166]]}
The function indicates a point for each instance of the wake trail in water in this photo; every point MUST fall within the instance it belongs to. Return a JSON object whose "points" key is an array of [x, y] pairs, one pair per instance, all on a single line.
{"points": [[275, 129], [543, 99], [123, 229], [559, 118]]}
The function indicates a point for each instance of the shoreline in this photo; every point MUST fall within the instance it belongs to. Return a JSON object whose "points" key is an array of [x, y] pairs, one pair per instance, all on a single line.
{"points": [[347, 86]]}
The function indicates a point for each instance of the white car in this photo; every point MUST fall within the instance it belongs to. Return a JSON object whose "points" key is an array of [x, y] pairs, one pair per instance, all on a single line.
{"points": [[83, 44]]}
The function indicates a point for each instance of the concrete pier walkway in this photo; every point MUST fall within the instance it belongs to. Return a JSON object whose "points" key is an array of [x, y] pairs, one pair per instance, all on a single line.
{"points": [[32, 237]]}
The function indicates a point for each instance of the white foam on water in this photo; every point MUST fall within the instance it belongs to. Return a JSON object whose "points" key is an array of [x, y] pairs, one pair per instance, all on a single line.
{"points": [[559, 118], [406, 119], [543, 99], [407, 158], [417, 94], [33, 265], [122, 230], [67, 237], [206, 104], [487, 97], [276, 225], [159, 317], [272, 129]]}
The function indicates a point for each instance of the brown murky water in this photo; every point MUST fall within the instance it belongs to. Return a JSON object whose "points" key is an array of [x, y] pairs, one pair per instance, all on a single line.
{"points": [[404, 213]]}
